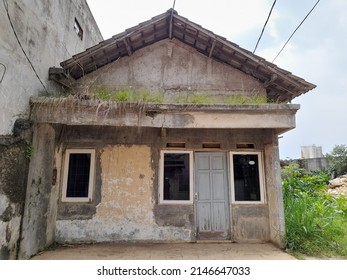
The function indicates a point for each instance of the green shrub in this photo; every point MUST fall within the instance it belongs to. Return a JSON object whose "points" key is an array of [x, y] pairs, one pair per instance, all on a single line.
{"points": [[338, 159], [316, 222]]}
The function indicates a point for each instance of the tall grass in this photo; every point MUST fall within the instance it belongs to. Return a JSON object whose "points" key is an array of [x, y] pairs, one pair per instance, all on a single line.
{"points": [[127, 95], [316, 222]]}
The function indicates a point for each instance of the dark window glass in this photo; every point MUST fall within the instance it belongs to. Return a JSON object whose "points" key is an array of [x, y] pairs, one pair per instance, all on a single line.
{"points": [[78, 175], [176, 177], [246, 177]]}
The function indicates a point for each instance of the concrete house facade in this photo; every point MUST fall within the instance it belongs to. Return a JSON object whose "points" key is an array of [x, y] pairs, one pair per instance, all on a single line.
{"points": [[34, 36], [152, 147]]}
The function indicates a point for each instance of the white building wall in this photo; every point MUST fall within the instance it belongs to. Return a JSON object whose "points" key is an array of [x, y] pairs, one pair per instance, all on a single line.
{"points": [[45, 28], [311, 152]]}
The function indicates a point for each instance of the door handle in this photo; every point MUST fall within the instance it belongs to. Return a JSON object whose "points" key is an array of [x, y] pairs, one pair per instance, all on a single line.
{"points": [[196, 196]]}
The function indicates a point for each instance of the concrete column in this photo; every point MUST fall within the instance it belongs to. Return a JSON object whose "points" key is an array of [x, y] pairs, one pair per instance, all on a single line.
{"points": [[39, 205], [274, 191]]}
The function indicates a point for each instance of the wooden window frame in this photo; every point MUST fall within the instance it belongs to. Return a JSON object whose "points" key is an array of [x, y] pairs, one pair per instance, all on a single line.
{"points": [[68, 152], [161, 177], [261, 177]]}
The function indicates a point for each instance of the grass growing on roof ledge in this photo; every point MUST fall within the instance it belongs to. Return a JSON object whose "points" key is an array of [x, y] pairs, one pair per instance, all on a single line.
{"points": [[131, 95], [127, 95]]}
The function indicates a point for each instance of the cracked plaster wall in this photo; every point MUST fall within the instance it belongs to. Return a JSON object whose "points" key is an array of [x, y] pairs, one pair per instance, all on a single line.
{"points": [[126, 191], [126, 210], [176, 71]]}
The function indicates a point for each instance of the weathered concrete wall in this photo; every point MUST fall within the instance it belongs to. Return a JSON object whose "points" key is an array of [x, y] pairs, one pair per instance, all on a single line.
{"points": [[127, 202], [41, 194], [45, 29], [312, 164], [175, 70], [250, 222], [72, 111], [13, 171], [274, 189], [126, 191], [14, 164]]}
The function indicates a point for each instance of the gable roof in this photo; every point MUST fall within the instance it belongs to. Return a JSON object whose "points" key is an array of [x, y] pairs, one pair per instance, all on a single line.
{"points": [[281, 85]]}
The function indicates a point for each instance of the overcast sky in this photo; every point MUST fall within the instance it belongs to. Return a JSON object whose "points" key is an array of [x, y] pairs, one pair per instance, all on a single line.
{"points": [[317, 52]]}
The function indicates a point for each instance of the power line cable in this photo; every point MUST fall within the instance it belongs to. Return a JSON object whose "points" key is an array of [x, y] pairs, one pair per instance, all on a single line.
{"points": [[296, 30], [3, 74], [20, 44], [261, 34]]}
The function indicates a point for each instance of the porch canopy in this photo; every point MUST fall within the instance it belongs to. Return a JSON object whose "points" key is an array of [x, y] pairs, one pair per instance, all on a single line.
{"points": [[72, 111]]}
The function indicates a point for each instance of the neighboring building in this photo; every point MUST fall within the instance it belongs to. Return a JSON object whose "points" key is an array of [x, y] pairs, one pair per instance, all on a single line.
{"points": [[34, 36], [310, 164], [312, 159], [107, 166], [311, 152]]}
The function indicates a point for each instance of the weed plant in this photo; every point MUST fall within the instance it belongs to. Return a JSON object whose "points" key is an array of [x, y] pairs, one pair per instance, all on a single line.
{"points": [[103, 93], [126, 95], [316, 221]]}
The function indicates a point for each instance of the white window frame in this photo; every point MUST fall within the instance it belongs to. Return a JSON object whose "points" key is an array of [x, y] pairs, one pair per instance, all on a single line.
{"points": [[68, 152], [261, 177], [161, 177]]}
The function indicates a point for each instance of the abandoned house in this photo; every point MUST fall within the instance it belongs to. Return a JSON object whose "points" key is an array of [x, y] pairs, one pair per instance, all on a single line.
{"points": [[171, 134]]}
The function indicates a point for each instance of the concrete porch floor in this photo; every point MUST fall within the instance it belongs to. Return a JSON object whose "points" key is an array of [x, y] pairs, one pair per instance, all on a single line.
{"points": [[165, 251]]}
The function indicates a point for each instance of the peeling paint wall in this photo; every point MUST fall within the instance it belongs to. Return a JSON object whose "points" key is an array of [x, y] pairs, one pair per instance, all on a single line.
{"points": [[176, 71], [126, 208], [127, 182]]}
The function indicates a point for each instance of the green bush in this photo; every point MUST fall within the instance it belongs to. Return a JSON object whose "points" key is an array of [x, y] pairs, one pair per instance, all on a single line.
{"points": [[316, 222], [338, 159]]}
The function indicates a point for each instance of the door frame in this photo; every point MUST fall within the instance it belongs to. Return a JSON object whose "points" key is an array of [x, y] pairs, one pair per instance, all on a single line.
{"points": [[227, 187]]}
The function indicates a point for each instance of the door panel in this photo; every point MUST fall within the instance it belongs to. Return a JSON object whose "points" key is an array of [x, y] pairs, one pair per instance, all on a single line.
{"points": [[218, 180], [218, 214], [212, 203], [204, 218]]}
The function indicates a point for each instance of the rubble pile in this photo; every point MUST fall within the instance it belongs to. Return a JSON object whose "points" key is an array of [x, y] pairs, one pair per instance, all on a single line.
{"points": [[338, 185]]}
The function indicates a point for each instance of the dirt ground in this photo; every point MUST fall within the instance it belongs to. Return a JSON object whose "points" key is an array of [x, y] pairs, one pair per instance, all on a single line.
{"points": [[165, 251]]}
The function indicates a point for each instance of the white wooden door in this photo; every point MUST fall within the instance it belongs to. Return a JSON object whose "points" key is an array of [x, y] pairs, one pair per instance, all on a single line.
{"points": [[212, 196]]}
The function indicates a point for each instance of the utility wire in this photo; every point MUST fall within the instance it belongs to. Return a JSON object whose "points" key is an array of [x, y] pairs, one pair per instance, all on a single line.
{"points": [[296, 30], [261, 34], [3, 75], [25, 54]]}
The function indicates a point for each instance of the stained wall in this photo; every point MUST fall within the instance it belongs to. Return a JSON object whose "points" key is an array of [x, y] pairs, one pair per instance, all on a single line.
{"points": [[126, 204]]}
